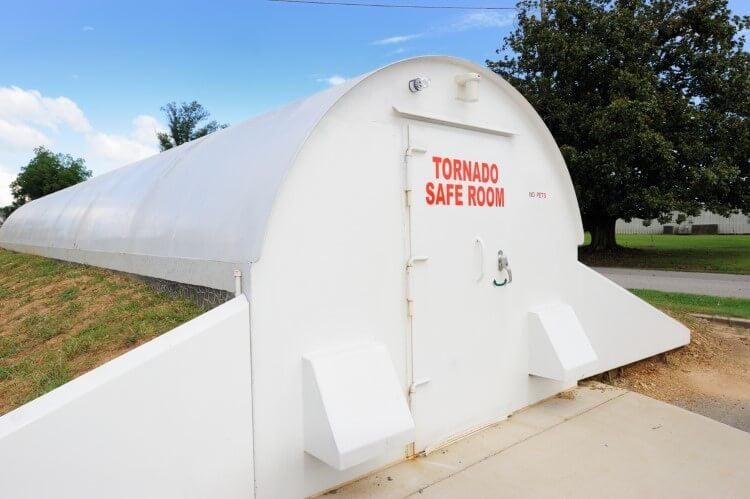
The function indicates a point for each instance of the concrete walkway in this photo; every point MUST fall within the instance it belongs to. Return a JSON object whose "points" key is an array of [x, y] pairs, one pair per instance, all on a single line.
{"points": [[605, 442], [697, 283]]}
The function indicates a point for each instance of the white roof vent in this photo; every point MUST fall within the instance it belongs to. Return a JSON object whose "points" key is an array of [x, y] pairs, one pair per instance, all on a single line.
{"points": [[468, 87]]}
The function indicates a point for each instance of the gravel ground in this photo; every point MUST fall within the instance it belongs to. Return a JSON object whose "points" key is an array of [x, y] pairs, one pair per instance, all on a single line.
{"points": [[710, 376]]}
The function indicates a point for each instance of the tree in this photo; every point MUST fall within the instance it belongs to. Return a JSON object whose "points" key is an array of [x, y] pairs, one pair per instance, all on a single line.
{"points": [[183, 121], [647, 99], [46, 173]]}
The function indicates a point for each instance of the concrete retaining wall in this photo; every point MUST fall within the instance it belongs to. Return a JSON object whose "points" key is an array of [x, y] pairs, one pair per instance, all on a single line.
{"points": [[171, 418]]}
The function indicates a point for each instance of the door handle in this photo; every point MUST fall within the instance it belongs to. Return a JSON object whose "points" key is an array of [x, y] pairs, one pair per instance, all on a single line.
{"points": [[478, 240]]}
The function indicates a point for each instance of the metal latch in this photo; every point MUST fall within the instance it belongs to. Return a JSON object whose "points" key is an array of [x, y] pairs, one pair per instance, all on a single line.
{"points": [[503, 265]]}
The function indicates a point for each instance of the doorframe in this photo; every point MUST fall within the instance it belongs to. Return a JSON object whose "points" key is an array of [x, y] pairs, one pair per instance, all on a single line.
{"points": [[411, 121], [412, 384]]}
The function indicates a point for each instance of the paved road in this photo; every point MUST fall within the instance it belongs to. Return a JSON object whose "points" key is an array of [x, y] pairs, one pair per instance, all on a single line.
{"points": [[737, 286]]}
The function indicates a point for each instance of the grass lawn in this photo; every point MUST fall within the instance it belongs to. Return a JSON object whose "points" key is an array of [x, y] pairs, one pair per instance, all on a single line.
{"points": [[683, 302], [696, 253], [58, 321]]}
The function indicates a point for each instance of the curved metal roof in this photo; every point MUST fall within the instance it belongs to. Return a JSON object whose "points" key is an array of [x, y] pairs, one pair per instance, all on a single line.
{"points": [[181, 203], [195, 212]]}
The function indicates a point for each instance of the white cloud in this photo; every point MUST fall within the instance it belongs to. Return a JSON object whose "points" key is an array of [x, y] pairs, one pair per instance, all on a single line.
{"points": [[87, 28], [393, 40], [117, 150], [6, 177], [399, 50], [28, 119], [114, 150], [18, 136], [145, 129], [482, 20], [333, 80], [21, 106]]}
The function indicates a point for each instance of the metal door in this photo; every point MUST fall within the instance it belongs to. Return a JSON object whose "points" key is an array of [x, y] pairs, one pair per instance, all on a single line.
{"points": [[459, 219]]}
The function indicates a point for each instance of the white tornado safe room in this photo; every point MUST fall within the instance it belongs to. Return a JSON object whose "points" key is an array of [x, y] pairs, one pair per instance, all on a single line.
{"points": [[403, 248]]}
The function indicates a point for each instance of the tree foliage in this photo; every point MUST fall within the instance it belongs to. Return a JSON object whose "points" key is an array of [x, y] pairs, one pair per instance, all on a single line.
{"points": [[46, 173], [647, 99], [183, 122]]}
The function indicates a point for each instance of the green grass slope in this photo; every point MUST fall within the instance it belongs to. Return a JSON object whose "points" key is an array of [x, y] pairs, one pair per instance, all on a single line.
{"points": [[729, 254], [684, 302], [58, 321]]}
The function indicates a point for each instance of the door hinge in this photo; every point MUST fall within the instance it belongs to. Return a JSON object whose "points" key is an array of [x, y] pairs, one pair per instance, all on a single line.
{"points": [[408, 197], [416, 384], [416, 258], [410, 308]]}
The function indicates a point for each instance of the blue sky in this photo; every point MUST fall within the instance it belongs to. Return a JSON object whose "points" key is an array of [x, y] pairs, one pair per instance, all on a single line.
{"points": [[88, 77]]}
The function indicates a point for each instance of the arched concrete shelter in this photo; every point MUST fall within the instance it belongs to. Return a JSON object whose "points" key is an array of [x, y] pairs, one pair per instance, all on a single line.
{"points": [[367, 222]]}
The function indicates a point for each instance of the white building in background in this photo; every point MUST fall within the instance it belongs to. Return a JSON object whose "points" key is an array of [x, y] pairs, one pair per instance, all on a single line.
{"points": [[705, 223]]}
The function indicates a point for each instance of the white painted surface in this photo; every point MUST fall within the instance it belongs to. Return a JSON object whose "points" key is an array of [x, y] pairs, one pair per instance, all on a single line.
{"points": [[341, 237], [558, 346], [338, 242], [354, 407], [738, 223], [460, 324], [332, 273], [345, 248], [171, 418], [622, 328]]}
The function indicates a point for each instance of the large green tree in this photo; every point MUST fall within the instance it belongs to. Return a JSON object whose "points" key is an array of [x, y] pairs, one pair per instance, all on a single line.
{"points": [[647, 99], [184, 124], [46, 173]]}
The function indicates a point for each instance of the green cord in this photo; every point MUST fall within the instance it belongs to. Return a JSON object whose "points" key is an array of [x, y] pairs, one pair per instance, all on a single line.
{"points": [[498, 284]]}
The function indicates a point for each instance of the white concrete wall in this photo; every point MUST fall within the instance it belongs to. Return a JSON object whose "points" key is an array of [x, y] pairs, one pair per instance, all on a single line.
{"points": [[622, 328], [738, 223], [331, 272], [171, 418], [333, 267]]}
